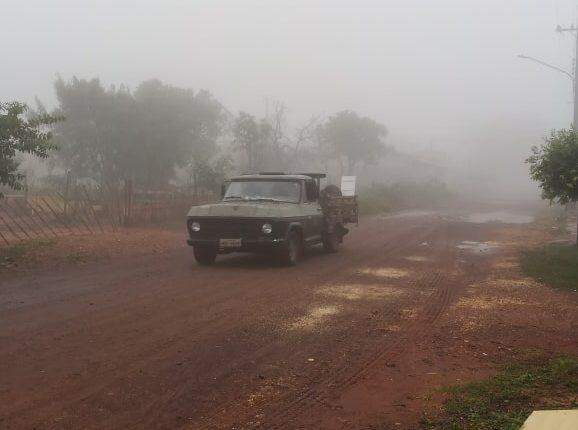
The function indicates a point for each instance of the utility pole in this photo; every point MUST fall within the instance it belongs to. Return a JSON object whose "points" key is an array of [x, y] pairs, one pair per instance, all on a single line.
{"points": [[573, 29], [573, 76]]}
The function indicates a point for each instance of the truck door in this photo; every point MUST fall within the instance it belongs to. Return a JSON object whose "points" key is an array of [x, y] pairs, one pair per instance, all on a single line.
{"points": [[312, 212]]}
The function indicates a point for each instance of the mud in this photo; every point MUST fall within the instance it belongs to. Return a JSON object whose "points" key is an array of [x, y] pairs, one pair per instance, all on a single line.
{"points": [[151, 340]]}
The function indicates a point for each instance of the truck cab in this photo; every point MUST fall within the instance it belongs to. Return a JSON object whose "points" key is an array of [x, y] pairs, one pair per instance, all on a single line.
{"points": [[264, 213]]}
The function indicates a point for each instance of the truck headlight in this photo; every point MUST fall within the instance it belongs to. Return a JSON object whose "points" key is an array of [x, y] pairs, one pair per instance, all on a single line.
{"points": [[267, 228], [196, 227]]}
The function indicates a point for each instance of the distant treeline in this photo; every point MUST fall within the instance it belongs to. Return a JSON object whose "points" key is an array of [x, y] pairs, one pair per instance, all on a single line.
{"points": [[152, 133]]}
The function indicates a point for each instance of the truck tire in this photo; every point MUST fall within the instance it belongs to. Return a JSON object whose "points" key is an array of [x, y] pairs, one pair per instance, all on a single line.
{"points": [[291, 252], [331, 242], [205, 255], [332, 190]]}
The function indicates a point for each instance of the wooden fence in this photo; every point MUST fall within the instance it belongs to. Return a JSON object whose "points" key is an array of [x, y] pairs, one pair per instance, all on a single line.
{"points": [[80, 210]]}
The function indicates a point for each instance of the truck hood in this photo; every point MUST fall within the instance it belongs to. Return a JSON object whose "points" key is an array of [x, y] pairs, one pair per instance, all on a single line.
{"points": [[245, 210]]}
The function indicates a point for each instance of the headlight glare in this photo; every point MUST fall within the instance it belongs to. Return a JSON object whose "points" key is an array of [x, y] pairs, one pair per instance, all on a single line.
{"points": [[195, 226]]}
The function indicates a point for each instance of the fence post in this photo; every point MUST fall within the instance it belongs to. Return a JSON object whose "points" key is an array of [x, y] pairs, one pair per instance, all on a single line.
{"points": [[92, 212], [66, 194], [57, 217], [40, 215], [128, 196], [14, 218], [10, 229], [28, 219]]}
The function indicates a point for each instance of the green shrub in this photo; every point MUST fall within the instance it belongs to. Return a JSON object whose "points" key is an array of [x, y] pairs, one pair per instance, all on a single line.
{"points": [[505, 400], [555, 264]]}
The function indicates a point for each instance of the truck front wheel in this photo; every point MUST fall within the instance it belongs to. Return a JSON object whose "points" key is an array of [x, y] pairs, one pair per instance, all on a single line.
{"points": [[331, 242], [291, 252], [205, 255]]}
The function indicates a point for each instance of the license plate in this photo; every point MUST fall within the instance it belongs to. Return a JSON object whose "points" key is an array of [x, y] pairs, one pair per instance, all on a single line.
{"points": [[230, 243]]}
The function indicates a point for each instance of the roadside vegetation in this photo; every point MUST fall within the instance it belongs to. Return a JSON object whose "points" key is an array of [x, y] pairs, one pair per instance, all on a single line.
{"points": [[553, 166], [553, 264], [380, 198], [21, 135], [554, 219], [158, 136], [23, 251], [505, 400]]}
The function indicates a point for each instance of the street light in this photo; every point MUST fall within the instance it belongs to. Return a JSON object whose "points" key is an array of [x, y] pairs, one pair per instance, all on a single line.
{"points": [[565, 72], [543, 63]]}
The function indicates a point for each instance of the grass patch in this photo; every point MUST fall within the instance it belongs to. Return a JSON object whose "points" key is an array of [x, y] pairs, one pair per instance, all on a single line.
{"points": [[555, 264], [76, 258], [554, 219], [19, 252], [506, 400]]}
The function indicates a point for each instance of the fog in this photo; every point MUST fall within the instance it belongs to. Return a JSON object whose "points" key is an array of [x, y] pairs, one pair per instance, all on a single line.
{"points": [[441, 76]]}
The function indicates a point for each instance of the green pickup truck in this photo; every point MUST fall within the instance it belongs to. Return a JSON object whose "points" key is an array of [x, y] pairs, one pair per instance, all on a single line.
{"points": [[271, 213]]}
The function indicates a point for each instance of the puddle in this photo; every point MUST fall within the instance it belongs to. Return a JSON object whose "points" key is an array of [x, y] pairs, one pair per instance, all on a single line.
{"points": [[358, 292], [316, 317], [410, 214], [499, 216], [417, 258], [385, 272], [481, 247]]}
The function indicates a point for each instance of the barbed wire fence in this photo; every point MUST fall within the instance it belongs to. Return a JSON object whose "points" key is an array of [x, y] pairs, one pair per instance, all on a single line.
{"points": [[84, 210]]}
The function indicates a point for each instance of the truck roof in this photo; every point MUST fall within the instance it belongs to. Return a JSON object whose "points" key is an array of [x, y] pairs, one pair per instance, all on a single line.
{"points": [[271, 177]]}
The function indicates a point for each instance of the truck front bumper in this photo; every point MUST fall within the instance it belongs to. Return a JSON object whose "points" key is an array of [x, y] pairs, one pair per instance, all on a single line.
{"points": [[264, 244]]}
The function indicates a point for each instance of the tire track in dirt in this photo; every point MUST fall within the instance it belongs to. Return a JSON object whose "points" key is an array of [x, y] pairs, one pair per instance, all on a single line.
{"points": [[340, 381], [342, 378], [369, 256], [148, 352], [224, 298]]}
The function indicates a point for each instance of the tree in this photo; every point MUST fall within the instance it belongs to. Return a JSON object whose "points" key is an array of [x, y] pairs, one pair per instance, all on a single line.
{"points": [[304, 151], [263, 142], [209, 174], [114, 134], [359, 139], [21, 135], [248, 138], [177, 126], [98, 138], [554, 165]]}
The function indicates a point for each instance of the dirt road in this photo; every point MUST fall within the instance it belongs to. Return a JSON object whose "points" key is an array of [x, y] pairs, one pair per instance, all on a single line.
{"points": [[350, 340]]}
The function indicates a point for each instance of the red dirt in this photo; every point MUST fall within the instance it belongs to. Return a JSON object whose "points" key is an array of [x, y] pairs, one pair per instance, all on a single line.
{"points": [[147, 339]]}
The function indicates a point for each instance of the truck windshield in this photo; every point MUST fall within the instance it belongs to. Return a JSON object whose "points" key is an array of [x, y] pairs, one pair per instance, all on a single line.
{"points": [[278, 191]]}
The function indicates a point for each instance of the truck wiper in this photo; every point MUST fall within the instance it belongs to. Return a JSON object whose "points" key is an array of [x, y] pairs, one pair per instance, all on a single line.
{"points": [[265, 199], [256, 199]]}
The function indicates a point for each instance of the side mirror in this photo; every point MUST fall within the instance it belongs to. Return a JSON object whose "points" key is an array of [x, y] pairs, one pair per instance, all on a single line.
{"points": [[223, 190]]}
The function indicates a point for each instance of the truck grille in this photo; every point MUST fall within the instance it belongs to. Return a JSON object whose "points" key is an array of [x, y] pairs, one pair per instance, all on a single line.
{"points": [[228, 228]]}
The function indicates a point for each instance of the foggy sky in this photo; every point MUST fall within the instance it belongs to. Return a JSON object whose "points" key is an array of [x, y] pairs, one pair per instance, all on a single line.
{"points": [[431, 71]]}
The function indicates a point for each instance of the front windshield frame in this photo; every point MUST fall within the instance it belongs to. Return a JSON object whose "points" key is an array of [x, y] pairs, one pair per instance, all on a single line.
{"points": [[256, 198]]}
